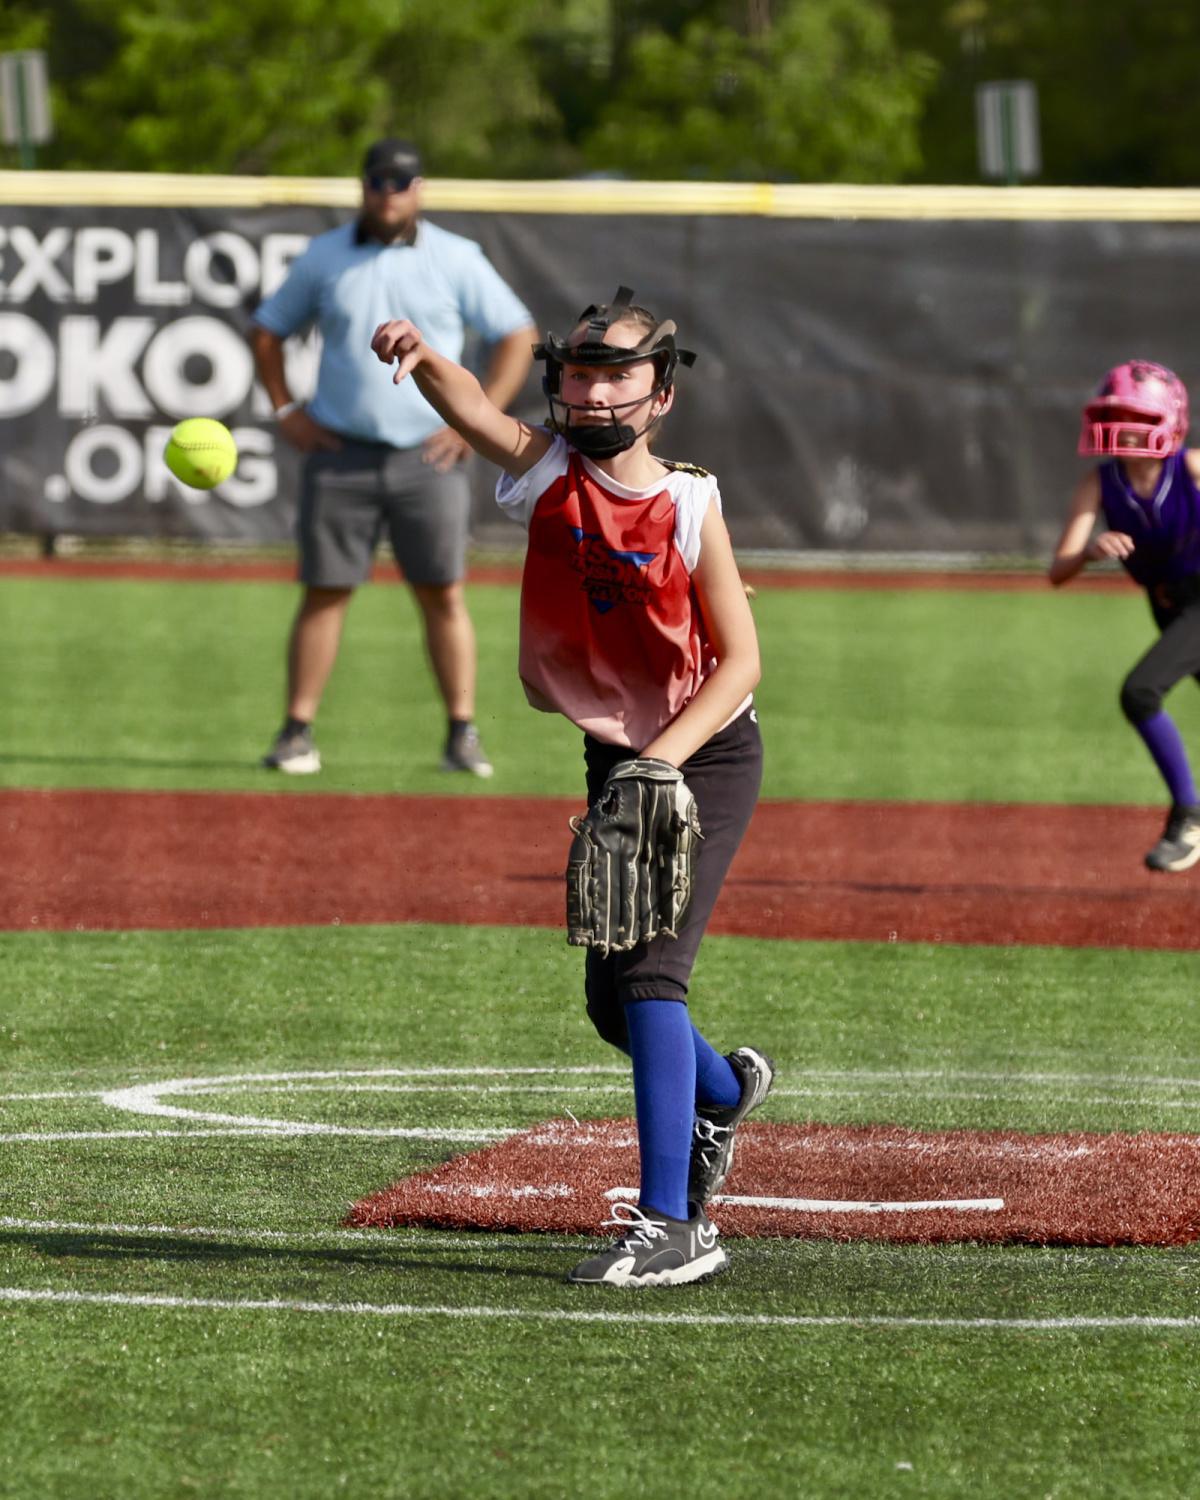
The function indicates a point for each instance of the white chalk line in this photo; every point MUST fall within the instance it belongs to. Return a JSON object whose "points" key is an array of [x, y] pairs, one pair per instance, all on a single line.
{"points": [[993, 1096], [148, 1098], [621, 1087], [837, 1205], [267, 1131], [589, 1089], [58, 1094], [434, 1080], [1078, 1324], [973, 1075]]}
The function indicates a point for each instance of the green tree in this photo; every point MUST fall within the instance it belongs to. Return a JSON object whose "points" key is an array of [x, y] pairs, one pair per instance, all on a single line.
{"points": [[1116, 85], [250, 86], [817, 91], [226, 85], [785, 89], [23, 25]]}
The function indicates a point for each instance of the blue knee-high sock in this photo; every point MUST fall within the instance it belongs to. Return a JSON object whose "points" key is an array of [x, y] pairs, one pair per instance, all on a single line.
{"points": [[664, 1090], [1165, 744], [716, 1083]]}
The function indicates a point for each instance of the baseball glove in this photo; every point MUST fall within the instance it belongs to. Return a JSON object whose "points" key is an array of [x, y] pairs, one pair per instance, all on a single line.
{"points": [[629, 872]]}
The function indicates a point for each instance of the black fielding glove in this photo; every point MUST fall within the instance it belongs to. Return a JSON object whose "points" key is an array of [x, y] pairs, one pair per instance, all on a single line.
{"points": [[629, 871]]}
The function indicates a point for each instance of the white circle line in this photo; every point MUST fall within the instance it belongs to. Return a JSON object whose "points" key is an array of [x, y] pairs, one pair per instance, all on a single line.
{"points": [[57, 1094], [147, 1098], [617, 1085], [839, 1079]]}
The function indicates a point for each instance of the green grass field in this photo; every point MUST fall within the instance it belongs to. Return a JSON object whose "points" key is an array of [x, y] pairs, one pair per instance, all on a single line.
{"points": [[956, 696], [181, 1312]]}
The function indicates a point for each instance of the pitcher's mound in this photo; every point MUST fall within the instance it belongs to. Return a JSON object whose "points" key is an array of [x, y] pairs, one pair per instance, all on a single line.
{"points": [[878, 1182]]}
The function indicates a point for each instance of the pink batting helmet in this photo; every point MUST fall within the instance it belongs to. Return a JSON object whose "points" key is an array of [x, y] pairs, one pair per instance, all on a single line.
{"points": [[1140, 411]]}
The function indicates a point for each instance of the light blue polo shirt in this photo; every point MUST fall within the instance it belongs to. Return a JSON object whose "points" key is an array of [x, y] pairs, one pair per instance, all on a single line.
{"points": [[442, 282]]}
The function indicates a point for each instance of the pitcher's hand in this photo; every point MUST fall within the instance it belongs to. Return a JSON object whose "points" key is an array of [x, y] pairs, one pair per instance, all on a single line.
{"points": [[398, 342]]}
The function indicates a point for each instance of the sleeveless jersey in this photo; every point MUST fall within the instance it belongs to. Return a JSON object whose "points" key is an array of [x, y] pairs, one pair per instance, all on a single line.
{"points": [[1165, 527], [611, 631]]}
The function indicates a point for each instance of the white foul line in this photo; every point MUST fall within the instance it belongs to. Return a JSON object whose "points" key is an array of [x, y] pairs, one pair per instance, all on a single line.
{"points": [[839, 1205], [30, 1295]]}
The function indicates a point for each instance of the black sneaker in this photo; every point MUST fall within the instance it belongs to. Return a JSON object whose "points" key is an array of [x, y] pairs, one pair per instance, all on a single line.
{"points": [[712, 1134], [464, 752], [293, 752], [1179, 847], [655, 1250]]}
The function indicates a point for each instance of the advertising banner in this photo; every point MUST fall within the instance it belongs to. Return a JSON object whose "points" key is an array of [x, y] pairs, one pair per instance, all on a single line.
{"points": [[882, 385]]}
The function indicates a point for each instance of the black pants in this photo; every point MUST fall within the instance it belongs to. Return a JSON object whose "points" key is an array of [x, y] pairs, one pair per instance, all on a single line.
{"points": [[1174, 656], [724, 776]]}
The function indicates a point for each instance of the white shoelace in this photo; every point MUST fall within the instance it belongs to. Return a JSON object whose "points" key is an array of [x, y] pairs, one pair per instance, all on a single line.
{"points": [[639, 1230], [709, 1134]]}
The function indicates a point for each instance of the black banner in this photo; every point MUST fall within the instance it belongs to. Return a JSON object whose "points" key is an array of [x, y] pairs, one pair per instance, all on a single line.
{"points": [[872, 386]]}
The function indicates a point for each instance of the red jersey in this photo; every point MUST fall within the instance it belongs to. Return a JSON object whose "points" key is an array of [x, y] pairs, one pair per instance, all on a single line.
{"points": [[611, 631]]}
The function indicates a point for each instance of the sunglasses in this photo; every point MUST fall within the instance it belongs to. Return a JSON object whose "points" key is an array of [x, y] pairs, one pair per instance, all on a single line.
{"points": [[379, 184]]}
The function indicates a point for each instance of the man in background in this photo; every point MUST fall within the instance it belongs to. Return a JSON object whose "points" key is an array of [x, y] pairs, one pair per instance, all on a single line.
{"points": [[377, 456]]}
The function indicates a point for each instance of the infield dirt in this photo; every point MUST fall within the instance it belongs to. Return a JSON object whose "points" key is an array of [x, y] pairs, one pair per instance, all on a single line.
{"points": [[865, 871]]}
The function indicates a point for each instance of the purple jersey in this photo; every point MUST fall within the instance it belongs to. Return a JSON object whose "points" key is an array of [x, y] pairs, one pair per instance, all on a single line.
{"points": [[1165, 527]]}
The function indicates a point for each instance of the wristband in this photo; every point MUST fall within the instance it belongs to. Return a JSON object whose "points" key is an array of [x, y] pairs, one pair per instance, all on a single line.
{"points": [[286, 410]]}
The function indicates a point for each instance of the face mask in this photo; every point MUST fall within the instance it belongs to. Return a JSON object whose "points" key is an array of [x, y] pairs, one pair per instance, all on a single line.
{"points": [[585, 345], [601, 439]]}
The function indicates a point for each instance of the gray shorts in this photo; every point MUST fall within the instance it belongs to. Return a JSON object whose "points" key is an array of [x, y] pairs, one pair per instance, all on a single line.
{"points": [[349, 498]]}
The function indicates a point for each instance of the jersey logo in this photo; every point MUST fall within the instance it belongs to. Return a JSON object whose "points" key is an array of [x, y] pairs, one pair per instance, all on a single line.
{"points": [[608, 575]]}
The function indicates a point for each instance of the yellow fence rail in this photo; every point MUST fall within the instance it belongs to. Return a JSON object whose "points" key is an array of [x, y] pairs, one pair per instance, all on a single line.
{"points": [[765, 199]]}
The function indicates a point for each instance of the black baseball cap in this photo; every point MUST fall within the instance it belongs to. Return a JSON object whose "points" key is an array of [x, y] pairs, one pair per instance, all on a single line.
{"points": [[392, 158]]}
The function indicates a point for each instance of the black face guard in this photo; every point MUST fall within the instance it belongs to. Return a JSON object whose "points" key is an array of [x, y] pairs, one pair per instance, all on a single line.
{"points": [[585, 346]]}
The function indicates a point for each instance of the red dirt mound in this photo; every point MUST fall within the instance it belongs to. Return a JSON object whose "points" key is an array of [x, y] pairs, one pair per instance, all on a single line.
{"points": [[832, 1182]]}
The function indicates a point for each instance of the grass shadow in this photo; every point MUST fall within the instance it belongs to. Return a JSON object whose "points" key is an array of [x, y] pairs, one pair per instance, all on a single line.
{"points": [[97, 1245]]}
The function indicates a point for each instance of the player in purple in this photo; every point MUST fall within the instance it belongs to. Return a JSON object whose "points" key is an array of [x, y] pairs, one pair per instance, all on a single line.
{"points": [[1146, 494]]}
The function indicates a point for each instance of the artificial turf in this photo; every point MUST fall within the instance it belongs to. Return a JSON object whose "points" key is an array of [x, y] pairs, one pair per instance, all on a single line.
{"points": [[518, 1400], [959, 695]]}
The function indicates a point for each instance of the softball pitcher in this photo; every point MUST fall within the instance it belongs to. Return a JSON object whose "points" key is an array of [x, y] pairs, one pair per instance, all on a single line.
{"points": [[635, 625]]}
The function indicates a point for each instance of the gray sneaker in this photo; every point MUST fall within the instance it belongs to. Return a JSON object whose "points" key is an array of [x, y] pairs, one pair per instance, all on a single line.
{"points": [[464, 752], [1179, 847], [293, 752], [655, 1251], [713, 1132]]}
